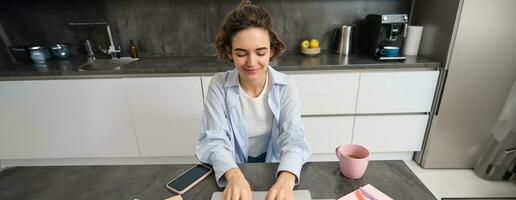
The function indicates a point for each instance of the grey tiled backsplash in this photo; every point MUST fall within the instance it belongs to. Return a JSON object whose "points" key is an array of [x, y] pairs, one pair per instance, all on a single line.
{"points": [[179, 27]]}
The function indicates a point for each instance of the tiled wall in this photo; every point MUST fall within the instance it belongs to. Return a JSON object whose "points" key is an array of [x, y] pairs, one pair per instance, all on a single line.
{"points": [[179, 27]]}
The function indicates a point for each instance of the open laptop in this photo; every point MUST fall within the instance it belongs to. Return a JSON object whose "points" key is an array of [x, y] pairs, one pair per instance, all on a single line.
{"points": [[260, 195]]}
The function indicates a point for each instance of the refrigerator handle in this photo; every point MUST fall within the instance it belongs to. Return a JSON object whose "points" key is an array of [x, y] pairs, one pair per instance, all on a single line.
{"points": [[441, 91]]}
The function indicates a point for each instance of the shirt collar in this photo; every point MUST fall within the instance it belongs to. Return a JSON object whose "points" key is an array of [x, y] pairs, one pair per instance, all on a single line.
{"points": [[276, 78]]}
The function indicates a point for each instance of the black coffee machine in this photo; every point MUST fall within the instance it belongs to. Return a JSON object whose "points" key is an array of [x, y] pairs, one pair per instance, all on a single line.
{"points": [[384, 30]]}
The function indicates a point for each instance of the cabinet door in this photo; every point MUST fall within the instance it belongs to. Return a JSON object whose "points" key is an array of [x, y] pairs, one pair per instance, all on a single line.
{"points": [[65, 119], [324, 134], [396, 92], [327, 93], [396, 133], [166, 114]]}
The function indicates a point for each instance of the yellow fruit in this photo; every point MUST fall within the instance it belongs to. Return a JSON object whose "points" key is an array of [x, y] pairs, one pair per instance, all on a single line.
{"points": [[314, 43], [305, 44]]}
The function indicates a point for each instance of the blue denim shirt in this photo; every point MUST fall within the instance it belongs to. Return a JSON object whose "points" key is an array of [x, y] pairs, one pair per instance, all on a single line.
{"points": [[223, 139]]}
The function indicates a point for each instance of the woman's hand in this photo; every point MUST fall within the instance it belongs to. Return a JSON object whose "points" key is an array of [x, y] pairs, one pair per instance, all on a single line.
{"points": [[238, 188], [283, 188]]}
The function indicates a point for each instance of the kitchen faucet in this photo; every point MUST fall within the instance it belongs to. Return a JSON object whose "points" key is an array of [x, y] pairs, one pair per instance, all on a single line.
{"points": [[112, 51], [89, 50]]}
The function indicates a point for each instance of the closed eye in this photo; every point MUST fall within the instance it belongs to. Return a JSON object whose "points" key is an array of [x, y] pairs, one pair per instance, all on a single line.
{"points": [[240, 52], [261, 51]]}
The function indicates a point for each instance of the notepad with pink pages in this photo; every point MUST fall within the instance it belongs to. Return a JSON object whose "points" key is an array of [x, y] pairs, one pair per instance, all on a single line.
{"points": [[369, 193]]}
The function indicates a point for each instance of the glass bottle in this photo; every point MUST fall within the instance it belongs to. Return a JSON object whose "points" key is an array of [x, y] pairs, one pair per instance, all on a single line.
{"points": [[133, 51]]}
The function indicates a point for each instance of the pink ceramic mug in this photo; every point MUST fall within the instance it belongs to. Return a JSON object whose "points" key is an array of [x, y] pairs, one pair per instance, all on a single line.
{"points": [[353, 160]]}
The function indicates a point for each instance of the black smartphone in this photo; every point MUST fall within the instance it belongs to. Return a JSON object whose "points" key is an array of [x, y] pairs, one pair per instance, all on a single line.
{"points": [[189, 178]]}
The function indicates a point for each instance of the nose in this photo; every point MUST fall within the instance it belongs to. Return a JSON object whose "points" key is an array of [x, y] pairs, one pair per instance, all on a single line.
{"points": [[252, 60]]}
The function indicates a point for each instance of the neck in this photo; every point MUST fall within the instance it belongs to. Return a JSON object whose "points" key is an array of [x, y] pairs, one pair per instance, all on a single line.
{"points": [[253, 88]]}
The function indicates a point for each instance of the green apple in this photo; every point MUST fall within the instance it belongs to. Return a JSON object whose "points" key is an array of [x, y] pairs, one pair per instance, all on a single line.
{"points": [[305, 44]]}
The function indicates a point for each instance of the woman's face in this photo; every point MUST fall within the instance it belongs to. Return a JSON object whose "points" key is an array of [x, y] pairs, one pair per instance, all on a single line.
{"points": [[251, 53]]}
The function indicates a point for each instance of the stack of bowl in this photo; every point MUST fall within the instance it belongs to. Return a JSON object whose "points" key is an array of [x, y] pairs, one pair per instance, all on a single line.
{"points": [[39, 54]]}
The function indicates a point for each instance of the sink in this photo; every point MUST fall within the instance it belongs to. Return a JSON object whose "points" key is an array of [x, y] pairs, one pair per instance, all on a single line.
{"points": [[106, 64]]}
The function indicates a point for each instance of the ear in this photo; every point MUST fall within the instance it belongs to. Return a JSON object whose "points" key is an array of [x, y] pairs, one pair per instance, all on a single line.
{"points": [[230, 56], [228, 52]]}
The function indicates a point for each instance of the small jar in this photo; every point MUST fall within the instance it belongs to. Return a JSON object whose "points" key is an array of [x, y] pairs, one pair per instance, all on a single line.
{"points": [[37, 54]]}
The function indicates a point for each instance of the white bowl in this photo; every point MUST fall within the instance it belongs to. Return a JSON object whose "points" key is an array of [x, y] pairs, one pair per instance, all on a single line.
{"points": [[311, 51]]}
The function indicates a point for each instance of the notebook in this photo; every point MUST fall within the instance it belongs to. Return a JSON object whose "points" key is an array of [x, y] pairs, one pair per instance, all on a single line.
{"points": [[368, 193], [259, 195]]}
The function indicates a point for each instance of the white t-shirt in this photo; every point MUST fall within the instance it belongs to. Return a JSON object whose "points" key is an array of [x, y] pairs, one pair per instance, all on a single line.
{"points": [[258, 119]]}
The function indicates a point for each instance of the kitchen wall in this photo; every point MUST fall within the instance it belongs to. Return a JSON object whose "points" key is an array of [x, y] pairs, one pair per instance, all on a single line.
{"points": [[180, 27]]}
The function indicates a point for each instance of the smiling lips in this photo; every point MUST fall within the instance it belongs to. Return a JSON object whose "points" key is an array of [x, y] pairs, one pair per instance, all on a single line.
{"points": [[252, 71]]}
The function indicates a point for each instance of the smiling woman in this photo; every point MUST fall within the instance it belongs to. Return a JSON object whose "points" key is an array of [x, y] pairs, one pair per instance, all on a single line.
{"points": [[252, 113], [250, 54]]}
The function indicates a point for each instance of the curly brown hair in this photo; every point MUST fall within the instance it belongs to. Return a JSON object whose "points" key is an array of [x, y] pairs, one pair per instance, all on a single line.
{"points": [[246, 16]]}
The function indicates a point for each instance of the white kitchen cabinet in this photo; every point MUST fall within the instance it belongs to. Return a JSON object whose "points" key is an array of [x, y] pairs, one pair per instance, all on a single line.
{"points": [[65, 119], [324, 134], [390, 133], [396, 92], [322, 94], [166, 114], [160, 116]]}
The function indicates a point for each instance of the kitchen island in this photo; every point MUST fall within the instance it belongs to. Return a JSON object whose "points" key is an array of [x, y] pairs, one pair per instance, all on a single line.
{"points": [[142, 182]]}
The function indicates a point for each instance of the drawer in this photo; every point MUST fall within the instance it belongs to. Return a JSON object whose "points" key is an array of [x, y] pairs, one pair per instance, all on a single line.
{"points": [[325, 133], [327, 93], [396, 92], [394, 133]]}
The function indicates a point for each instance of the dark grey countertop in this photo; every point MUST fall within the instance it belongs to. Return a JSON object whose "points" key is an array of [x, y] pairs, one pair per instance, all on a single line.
{"points": [[202, 65], [143, 182]]}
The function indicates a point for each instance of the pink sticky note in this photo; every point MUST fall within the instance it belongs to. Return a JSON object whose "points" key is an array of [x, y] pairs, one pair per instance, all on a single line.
{"points": [[370, 190], [375, 192]]}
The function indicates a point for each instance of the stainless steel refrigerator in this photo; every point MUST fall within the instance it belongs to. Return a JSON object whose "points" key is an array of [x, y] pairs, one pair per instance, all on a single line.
{"points": [[476, 42]]}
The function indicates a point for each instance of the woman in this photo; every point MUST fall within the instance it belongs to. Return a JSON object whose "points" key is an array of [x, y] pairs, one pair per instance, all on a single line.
{"points": [[252, 113]]}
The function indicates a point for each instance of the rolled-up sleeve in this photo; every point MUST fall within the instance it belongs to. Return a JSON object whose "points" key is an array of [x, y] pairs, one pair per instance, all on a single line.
{"points": [[293, 145], [214, 143]]}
